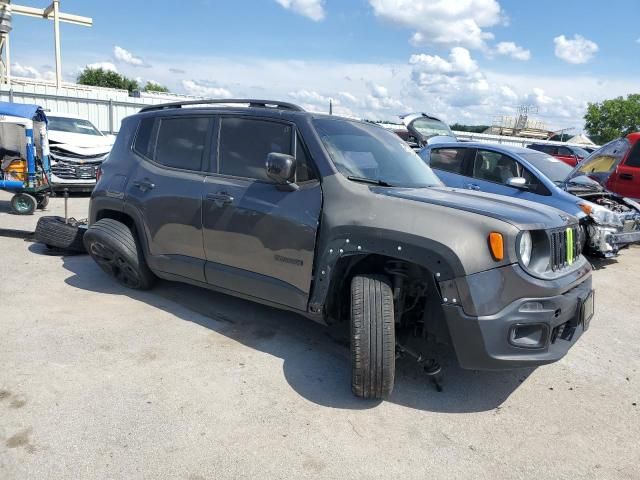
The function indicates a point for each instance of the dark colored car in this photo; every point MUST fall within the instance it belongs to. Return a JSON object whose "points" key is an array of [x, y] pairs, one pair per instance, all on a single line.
{"points": [[609, 221], [616, 166], [339, 221], [568, 154]]}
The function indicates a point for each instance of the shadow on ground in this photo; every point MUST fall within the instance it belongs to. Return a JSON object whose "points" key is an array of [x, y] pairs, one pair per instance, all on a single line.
{"points": [[315, 358]]}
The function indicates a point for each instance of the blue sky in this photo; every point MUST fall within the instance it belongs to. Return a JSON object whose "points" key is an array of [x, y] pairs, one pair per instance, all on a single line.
{"points": [[466, 60]]}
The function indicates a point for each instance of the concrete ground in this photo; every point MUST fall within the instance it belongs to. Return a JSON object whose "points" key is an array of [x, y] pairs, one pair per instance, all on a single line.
{"points": [[97, 381]]}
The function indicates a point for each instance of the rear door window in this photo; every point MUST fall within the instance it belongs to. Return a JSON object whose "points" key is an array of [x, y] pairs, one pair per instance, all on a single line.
{"points": [[175, 142], [448, 159], [246, 142]]}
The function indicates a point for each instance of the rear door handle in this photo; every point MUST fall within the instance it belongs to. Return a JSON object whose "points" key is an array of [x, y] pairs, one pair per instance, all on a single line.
{"points": [[144, 185], [220, 199], [473, 186], [626, 176]]}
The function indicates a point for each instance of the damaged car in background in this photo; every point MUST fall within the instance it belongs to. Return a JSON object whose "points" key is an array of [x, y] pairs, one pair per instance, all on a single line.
{"points": [[609, 221], [77, 149], [421, 129]]}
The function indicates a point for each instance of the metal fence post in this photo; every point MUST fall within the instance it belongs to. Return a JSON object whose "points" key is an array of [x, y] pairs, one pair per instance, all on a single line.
{"points": [[10, 94], [111, 116]]}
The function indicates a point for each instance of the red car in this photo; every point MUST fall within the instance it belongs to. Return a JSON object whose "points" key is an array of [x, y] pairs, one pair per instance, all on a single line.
{"points": [[616, 166], [568, 154]]}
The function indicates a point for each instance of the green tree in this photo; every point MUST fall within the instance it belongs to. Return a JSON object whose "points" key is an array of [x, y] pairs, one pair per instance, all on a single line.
{"points": [[155, 87], [608, 120], [99, 77]]}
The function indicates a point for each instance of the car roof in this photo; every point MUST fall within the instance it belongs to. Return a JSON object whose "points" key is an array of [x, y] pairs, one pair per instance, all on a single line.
{"points": [[634, 137]]}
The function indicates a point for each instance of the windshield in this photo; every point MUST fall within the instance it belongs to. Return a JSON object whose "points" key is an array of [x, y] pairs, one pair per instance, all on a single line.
{"points": [[431, 127], [73, 125], [552, 168], [369, 152]]}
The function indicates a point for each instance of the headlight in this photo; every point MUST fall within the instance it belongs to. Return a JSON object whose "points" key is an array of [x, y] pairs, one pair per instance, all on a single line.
{"points": [[525, 247], [602, 216]]}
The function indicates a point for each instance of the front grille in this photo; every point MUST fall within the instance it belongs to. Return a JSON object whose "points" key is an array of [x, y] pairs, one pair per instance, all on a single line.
{"points": [[69, 171], [566, 247]]}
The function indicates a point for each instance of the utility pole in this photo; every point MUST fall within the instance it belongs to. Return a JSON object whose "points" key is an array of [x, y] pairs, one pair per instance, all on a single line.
{"points": [[52, 12]]}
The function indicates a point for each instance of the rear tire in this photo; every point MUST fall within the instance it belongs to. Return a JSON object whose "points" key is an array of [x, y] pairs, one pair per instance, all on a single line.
{"points": [[43, 201], [115, 249], [373, 343]]}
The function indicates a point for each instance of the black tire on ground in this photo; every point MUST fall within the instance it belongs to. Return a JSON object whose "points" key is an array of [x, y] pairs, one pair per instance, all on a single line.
{"points": [[43, 201], [115, 249], [373, 339], [23, 204], [53, 232]]}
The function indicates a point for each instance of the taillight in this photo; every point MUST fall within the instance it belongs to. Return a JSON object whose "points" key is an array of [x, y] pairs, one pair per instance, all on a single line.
{"points": [[98, 173]]}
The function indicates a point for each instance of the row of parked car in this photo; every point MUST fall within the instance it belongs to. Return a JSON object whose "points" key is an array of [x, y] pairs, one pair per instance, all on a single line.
{"points": [[601, 189]]}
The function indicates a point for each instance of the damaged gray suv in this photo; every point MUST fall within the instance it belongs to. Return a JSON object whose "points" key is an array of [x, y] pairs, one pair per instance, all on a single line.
{"points": [[340, 221]]}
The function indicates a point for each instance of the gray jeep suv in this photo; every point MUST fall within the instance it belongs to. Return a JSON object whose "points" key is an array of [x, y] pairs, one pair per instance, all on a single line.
{"points": [[338, 220]]}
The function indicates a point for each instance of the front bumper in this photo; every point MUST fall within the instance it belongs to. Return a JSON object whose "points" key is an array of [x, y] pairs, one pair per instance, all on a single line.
{"points": [[621, 239], [77, 185], [485, 342]]}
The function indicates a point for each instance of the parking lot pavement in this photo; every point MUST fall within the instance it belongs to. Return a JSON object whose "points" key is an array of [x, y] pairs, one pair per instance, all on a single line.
{"points": [[78, 207], [100, 382]]}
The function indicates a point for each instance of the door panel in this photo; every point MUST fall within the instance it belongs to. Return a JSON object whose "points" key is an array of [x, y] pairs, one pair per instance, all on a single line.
{"points": [[169, 199], [626, 177], [260, 240]]}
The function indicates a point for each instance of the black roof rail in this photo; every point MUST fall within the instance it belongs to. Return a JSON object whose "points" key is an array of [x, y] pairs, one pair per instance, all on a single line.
{"points": [[250, 102]]}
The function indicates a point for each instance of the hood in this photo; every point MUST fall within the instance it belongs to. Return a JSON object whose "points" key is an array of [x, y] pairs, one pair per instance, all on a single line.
{"points": [[522, 214], [81, 140], [410, 121]]}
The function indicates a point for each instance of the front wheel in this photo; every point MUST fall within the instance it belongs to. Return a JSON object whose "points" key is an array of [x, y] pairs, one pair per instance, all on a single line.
{"points": [[373, 339], [115, 249]]}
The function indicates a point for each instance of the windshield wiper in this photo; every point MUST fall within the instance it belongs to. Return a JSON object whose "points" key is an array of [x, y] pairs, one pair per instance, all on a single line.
{"points": [[372, 181]]}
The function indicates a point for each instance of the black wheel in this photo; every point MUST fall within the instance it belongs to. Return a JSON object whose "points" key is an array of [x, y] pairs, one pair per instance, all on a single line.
{"points": [[43, 201], [373, 338], [54, 232], [23, 204], [114, 248]]}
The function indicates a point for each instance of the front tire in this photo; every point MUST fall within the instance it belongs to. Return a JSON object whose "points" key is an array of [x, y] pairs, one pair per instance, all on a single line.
{"points": [[115, 249], [23, 204], [373, 343]]}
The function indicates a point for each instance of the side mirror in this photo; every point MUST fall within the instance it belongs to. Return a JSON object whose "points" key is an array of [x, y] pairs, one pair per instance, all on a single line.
{"points": [[281, 168], [516, 182]]}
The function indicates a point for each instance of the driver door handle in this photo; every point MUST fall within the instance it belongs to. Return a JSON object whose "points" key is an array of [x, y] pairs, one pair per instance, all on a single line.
{"points": [[472, 186], [626, 176], [220, 199]]}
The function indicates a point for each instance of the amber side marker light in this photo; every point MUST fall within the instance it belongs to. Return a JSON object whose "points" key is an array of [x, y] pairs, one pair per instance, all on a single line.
{"points": [[496, 245], [586, 208]]}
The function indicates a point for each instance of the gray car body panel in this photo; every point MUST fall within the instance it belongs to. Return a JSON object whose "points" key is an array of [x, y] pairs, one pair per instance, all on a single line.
{"points": [[281, 247]]}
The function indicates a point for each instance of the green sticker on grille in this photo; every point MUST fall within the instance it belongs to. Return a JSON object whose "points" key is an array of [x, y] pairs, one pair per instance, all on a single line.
{"points": [[570, 245]]}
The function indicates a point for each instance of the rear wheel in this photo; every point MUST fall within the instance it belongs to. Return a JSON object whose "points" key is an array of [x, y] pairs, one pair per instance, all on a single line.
{"points": [[115, 249], [373, 343], [23, 204]]}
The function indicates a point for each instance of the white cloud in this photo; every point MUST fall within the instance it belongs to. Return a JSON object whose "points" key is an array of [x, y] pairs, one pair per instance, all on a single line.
{"points": [[512, 50], [443, 22], [103, 65], [199, 89], [313, 9], [26, 71], [125, 56], [576, 51]]}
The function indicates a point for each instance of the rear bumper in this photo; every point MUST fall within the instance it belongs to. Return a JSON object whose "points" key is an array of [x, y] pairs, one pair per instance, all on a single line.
{"points": [[490, 342]]}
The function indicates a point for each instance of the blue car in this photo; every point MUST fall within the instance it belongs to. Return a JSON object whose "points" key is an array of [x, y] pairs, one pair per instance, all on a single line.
{"points": [[609, 221]]}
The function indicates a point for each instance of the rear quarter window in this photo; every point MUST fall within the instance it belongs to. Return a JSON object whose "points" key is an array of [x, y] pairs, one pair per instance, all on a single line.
{"points": [[634, 157]]}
